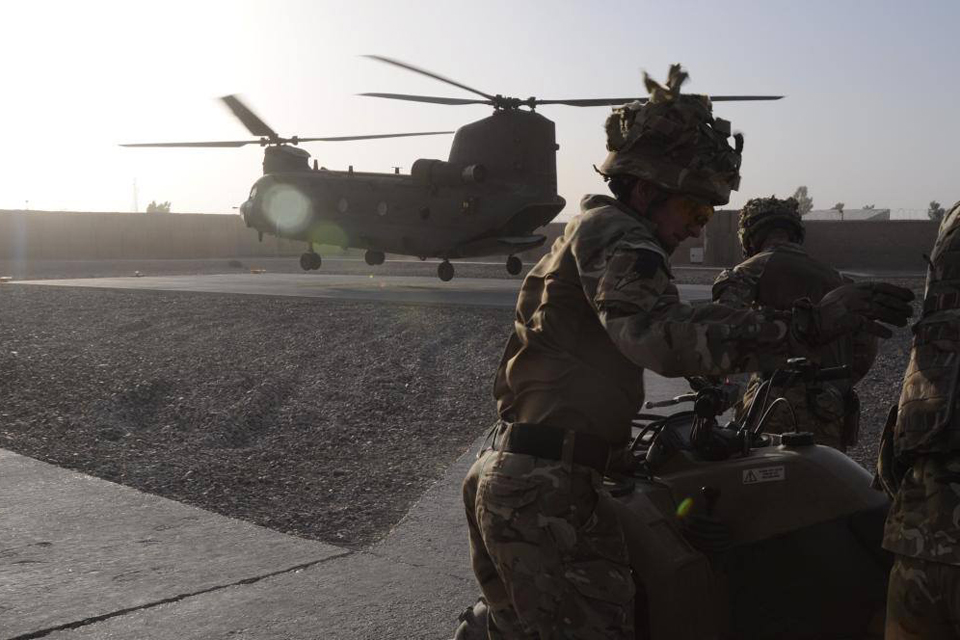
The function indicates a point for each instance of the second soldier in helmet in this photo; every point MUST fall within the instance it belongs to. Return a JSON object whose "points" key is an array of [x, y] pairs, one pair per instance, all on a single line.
{"points": [[776, 273], [598, 309]]}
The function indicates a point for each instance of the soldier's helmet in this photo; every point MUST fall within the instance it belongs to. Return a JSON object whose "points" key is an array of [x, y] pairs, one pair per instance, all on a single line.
{"points": [[760, 215], [674, 142]]}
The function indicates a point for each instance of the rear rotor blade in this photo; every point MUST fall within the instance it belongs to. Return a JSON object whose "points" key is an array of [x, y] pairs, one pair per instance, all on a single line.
{"points": [[254, 124], [432, 99], [742, 98], [424, 72], [233, 143], [374, 137], [601, 102]]}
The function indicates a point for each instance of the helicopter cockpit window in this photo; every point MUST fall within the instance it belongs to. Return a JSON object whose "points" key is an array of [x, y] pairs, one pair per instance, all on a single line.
{"points": [[253, 192]]}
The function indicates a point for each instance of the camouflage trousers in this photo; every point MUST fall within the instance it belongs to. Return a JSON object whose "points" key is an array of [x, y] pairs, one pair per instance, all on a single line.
{"points": [[923, 600], [547, 549], [824, 418]]}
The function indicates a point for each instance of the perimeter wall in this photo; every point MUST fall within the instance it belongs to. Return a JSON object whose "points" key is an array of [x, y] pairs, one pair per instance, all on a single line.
{"points": [[896, 245], [893, 245], [48, 235]]}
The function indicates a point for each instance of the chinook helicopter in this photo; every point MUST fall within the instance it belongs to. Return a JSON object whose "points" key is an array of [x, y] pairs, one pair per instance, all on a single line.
{"points": [[497, 187]]}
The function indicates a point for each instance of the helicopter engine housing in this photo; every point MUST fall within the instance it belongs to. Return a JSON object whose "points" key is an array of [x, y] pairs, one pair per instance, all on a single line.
{"points": [[285, 158], [514, 146]]}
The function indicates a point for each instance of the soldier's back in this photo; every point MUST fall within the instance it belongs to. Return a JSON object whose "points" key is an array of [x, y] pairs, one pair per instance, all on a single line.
{"points": [[777, 277], [791, 273]]}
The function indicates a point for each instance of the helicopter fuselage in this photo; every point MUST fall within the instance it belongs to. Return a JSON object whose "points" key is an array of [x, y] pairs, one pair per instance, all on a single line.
{"points": [[401, 214], [498, 186]]}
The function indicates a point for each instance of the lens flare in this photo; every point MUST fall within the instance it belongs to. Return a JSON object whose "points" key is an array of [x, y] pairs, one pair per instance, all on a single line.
{"points": [[287, 208], [684, 507], [328, 233]]}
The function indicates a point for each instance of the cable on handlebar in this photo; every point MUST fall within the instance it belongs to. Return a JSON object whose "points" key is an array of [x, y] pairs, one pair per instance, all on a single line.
{"points": [[754, 411], [766, 414]]}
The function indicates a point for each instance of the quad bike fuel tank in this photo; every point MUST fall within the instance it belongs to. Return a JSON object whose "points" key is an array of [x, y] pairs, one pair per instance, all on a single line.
{"points": [[805, 527]]}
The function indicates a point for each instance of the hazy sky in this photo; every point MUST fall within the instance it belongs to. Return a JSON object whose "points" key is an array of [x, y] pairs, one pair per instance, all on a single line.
{"points": [[872, 89]]}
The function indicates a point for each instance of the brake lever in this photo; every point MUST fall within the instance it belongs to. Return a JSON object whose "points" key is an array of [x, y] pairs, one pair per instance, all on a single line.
{"points": [[686, 397]]}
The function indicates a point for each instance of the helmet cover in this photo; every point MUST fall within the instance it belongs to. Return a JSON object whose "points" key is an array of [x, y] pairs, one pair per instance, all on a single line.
{"points": [[673, 141], [760, 214]]}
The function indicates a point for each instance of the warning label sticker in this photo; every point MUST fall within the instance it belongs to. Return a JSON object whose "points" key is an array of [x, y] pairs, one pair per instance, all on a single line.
{"points": [[764, 474]]}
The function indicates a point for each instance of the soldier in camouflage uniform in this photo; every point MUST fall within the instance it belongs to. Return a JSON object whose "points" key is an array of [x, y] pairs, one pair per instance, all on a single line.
{"points": [[920, 460], [776, 273], [601, 306]]}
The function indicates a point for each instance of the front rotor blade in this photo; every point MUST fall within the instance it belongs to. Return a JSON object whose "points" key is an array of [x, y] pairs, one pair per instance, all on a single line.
{"points": [[374, 137], [254, 125], [593, 102], [431, 99], [424, 72], [229, 143]]}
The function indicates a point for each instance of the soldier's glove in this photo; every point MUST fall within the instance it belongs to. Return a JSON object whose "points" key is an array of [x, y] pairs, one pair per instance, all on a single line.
{"points": [[851, 308], [706, 534]]}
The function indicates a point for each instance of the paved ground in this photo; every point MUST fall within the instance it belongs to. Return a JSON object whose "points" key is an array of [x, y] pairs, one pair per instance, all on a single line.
{"points": [[83, 558], [407, 289]]}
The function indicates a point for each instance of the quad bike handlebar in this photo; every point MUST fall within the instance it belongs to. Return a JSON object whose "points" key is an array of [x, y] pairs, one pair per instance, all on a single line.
{"points": [[712, 398]]}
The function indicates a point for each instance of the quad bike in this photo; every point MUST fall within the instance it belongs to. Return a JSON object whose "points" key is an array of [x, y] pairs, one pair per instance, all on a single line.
{"points": [[803, 524]]}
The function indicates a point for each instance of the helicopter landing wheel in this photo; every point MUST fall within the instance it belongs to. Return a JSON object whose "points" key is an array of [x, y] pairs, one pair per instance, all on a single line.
{"points": [[310, 261], [374, 258], [514, 266], [445, 271]]}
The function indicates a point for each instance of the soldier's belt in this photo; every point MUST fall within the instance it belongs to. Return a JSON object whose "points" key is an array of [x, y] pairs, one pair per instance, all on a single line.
{"points": [[941, 301], [554, 443], [935, 331]]}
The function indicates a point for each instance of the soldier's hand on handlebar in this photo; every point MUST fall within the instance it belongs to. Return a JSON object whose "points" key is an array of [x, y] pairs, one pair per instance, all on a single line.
{"points": [[862, 306]]}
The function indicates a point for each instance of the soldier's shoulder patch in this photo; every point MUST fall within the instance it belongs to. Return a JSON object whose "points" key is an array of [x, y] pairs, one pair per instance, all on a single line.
{"points": [[647, 263]]}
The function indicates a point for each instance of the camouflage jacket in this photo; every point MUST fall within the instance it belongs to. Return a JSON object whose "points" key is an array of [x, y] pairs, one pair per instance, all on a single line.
{"points": [[600, 308], [776, 277], [924, 521]]}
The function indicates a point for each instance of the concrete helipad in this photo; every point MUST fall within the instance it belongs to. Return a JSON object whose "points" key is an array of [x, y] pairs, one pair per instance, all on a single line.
{"points": [[404, 289], [86, 559]]}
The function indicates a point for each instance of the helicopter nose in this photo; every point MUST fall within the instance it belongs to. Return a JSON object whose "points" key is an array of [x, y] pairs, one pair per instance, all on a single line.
{"points": [[252, 217], [245, 210]]}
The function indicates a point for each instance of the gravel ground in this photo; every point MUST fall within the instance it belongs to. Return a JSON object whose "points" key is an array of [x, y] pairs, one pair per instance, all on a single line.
{"points": [[324, 419]]}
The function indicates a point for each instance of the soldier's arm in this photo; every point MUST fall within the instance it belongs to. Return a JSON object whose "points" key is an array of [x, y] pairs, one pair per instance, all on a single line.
{"points": [[864, 349], [738, 287], [639, 306]]}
